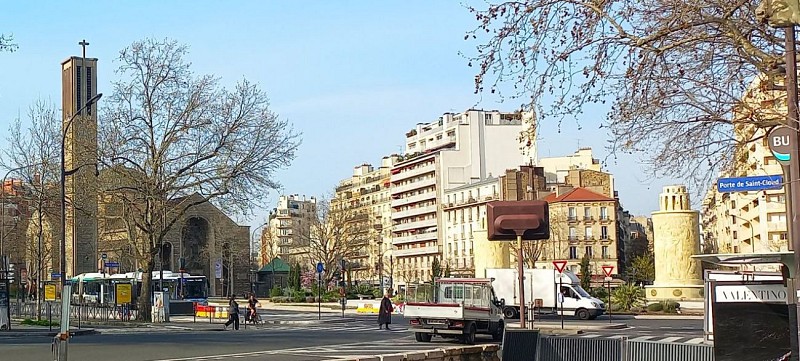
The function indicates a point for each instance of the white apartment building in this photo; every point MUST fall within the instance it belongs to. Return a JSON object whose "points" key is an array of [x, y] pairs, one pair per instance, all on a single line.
{"points": [[464, 211], [453, 151]]}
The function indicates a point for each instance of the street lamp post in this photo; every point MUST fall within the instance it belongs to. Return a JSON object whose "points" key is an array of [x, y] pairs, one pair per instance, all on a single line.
{"points": [[252, 242], [64, 174], [752, 234]]}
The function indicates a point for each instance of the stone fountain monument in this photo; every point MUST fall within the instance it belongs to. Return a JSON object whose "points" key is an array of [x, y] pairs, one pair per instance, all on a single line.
{"points": [[676, 233]]}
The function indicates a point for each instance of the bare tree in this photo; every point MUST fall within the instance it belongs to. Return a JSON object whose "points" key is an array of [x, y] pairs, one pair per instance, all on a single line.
{"points": [[674, 72], [34, 152], [166, 133], [7, 43], [531, 251], [269, 245], [336, 234]]}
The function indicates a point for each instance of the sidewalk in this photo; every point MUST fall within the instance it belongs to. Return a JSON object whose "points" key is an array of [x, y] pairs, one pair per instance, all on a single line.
{"points": [[20, 330]]}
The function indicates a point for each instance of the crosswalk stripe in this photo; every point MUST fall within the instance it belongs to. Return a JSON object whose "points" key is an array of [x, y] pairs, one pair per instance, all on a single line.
{"points": [[591, 335], [697, 340], [642, 338], [670, 339]]}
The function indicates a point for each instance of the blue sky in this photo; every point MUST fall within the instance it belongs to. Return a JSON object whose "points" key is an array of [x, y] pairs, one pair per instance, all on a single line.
{"points": [[352, 76]]}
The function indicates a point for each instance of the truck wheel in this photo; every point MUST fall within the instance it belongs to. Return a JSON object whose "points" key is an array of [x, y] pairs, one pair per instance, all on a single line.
{"points": [[498, 332], [582, 314], [469, 337], [422, 337], [510, 313]]}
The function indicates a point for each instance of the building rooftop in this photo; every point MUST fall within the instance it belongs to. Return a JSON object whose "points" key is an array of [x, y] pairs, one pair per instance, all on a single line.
{"points": [[578, 194]]}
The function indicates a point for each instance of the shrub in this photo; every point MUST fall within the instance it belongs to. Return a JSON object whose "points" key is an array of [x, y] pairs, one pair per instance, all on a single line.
{"points": [[298, 296], [670, 306], [276, 292], [628, 296], [29, 321], [377, 293], [601, 293], [655, 307], [280, 299]]}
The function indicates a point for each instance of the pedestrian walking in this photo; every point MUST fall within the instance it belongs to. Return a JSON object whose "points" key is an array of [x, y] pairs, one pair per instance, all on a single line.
{"points": [[233, 313], [385, 312]]}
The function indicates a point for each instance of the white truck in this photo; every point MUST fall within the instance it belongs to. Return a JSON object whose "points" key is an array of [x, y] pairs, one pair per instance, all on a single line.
{"points": [[542, 291], [454, 308]]}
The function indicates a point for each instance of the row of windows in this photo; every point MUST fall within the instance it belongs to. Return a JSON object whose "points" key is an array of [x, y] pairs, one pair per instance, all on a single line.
{"points": [[462, 196], [588, 251], [587, 212], [587, 232]]}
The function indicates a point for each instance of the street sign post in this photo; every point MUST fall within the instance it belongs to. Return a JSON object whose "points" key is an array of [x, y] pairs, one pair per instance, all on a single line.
{"points": [[320, 268], [560, 265], [780, 143], [607, 270], [104, 256], [112, 264], [750, 184]]}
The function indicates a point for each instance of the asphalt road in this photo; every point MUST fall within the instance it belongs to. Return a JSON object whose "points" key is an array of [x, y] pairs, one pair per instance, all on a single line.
{"points": [[329, 341], [290, 342]]}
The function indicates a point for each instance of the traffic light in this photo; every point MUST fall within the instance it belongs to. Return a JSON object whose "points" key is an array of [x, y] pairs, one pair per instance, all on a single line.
{"points": [[10, 272], [506, 219]]}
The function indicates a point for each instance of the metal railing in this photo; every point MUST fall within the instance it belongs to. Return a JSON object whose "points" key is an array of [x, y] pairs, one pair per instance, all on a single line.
{"points": [[567, 348]]}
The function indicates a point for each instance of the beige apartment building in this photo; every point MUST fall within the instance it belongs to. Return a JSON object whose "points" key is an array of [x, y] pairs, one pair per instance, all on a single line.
{"points": [[367, 192], [749, 222], [286, 236], [453, 151], [582, 222]]}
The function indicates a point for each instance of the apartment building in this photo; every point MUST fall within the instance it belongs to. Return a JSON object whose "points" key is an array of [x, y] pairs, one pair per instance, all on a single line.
{"points": [[747, 222], [367, 193], [557, 168], [582, 222], [464, 213], [289, 224], [453, 151]]}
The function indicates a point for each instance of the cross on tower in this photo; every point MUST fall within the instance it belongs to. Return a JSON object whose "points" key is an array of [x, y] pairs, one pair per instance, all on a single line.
{"points": [[83, 44]]}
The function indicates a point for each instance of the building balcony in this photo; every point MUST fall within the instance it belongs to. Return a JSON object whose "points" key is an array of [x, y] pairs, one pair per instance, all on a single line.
{"points": [[415, 251], [414, 212], [427, 236], [414, 225], [588, 219], [605, 219], [413, 199], [412, 186], [774, 227], [405, 174], [572, 219], [774, 207]]}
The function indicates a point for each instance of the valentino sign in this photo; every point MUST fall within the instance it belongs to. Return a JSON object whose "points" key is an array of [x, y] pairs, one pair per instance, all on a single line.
{"points": [[751, 293]]}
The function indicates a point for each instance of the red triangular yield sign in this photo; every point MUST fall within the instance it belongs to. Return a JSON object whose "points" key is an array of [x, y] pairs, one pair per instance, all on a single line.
{"points": [[607, 270], [560, 265]]}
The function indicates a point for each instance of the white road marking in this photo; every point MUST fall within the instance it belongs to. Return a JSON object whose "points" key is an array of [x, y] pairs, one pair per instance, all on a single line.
{"points": [[591, 335], [642, 338], [670, 339], [697, 340]]}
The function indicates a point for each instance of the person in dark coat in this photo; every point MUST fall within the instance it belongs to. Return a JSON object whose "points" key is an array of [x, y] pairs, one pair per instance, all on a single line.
{"points": [[233, 313], [385, 312]]}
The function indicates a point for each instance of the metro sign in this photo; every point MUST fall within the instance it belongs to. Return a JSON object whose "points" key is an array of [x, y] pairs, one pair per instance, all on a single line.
{"points": [[607, 270], [559, 265]]}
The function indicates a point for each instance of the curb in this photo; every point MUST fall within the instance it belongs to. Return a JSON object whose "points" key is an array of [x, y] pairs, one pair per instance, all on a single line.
{"points": [[664, 317], [45, 333], [613, 326]]}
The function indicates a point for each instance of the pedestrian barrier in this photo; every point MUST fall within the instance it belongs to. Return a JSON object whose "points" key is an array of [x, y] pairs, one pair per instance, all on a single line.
{"points": [[211, 311], [367, 307], [560, 348], [657, 351], [574, 348]]}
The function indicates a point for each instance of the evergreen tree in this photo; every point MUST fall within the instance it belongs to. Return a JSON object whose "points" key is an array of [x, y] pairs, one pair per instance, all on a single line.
{"points": [[436, 270], [586, 272]]}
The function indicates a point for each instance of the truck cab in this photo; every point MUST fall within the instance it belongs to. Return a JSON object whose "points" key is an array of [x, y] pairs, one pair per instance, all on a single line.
{"points": [[454, 308]]}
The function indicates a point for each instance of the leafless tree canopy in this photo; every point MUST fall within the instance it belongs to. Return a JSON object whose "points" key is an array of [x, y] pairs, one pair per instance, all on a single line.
{"points": [[673, 71], [336, 234], [7, 43], [167, 133]]}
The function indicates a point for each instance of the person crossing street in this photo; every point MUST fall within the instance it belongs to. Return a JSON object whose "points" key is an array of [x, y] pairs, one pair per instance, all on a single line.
{"points": [[385, 312], [233, 313]]}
